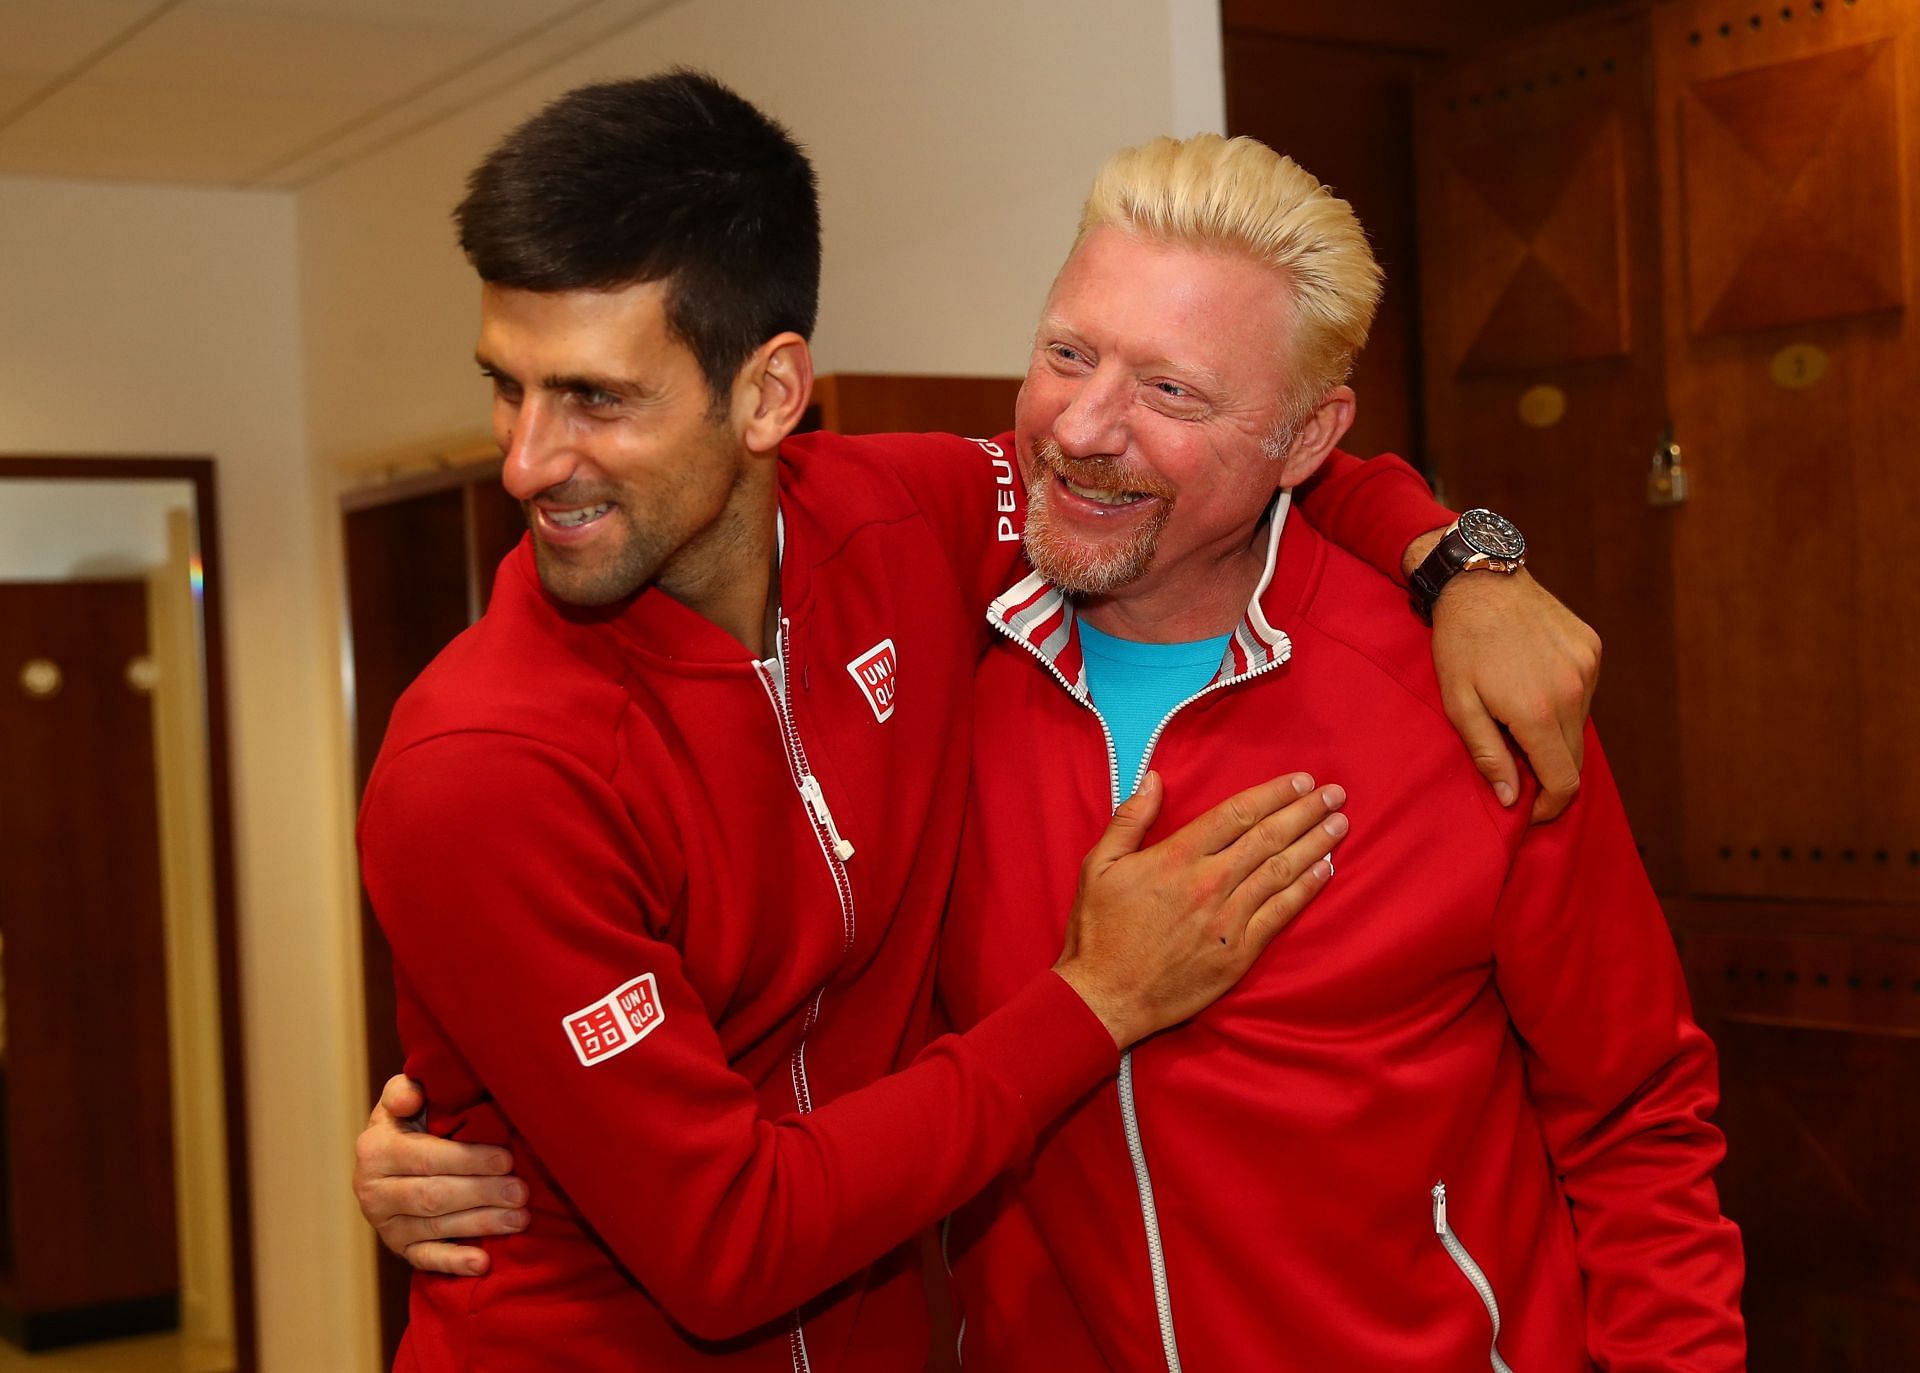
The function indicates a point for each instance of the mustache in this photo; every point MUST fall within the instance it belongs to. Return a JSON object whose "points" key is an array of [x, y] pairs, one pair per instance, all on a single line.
{"points": [[1103, 473], [575, 492]]}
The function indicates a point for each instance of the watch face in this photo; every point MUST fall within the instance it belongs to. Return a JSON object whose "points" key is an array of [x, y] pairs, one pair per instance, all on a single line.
{"points": [[1491, 534]]}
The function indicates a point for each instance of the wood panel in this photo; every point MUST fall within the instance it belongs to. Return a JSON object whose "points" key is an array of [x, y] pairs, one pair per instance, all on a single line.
{"points": [[873, 403], [1816, 1012], [408, 594], [495, 524], [1412, 25], [1797, 570], [1791, 178], [85, 963], [1541, 277], [1279, 91]]}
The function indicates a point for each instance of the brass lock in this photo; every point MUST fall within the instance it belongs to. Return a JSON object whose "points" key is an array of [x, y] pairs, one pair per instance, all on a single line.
{"points": [[1667, 480]]}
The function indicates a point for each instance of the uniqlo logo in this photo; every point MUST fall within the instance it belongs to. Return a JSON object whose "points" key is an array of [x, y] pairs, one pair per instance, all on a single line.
{"points": [[616, 1022], [876, 671]]}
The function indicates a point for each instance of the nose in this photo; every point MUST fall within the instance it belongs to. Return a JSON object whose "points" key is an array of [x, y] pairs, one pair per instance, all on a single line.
{"points": [[532, 440], [1094, 422]]}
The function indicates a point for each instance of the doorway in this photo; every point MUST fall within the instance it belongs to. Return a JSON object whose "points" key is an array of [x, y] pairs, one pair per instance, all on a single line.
{"points": [[123, 1210]]}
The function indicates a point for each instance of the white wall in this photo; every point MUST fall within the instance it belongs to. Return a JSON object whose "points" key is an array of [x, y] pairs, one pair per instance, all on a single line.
{"points": [[143, 322], [54, 531]]}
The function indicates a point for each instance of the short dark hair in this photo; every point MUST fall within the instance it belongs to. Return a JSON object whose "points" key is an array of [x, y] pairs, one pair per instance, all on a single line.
{"points": [[671, 178]]}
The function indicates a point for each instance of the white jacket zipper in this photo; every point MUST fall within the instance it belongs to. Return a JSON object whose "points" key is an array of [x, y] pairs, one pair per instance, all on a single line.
{"points": [[816, 800], [1464, 1261], [836, 851], [1129, 1111]]}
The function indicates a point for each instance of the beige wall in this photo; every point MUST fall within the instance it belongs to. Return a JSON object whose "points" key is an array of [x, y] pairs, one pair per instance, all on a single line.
{"points": [[142, 321], [291, 337]]}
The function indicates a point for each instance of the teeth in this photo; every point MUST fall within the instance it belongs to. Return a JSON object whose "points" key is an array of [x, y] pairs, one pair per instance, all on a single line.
{"points": [[573, 519], [1101, 494]]}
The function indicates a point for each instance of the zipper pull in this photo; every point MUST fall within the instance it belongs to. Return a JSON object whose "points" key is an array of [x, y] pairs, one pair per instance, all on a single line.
{"points": [[816, 800], [1439, 1208]]}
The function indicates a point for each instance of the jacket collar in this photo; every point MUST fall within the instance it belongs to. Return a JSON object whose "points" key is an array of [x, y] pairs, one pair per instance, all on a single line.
{"points": [[1038, 615]]}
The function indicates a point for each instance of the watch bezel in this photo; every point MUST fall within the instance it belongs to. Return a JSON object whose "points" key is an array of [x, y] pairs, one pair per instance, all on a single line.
{"points": [[1491, 535]]}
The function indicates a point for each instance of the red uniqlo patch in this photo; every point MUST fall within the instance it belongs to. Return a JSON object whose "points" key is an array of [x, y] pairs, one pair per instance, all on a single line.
{"points": [[876, 672], [617, 1021]]}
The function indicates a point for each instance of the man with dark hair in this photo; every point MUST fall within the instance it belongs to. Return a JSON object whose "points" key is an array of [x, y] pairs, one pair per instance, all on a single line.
{"points": [[662, 843], [676, 180]]}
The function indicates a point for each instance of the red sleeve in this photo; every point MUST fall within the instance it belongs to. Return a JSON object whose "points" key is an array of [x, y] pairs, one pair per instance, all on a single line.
{"points": [[509, 877], [1372, 508], [1624, 1082]]}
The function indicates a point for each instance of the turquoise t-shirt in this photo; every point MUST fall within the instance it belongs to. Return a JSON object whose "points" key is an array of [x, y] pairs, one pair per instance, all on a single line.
{"points": [[1135, 684]]}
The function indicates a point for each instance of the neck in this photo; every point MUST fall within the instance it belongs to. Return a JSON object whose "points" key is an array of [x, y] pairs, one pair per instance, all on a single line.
{"points": [[730, 573], [1203, 598]]}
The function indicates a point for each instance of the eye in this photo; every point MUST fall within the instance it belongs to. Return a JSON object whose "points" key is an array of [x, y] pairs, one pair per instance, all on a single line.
{"points": [[1173, 389], [593, 398], [504, 387], [1067, 353]]}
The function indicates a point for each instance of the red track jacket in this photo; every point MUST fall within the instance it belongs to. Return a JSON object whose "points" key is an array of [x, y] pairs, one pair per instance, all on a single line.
{"points": [[608, 853], [1454, 1119]]}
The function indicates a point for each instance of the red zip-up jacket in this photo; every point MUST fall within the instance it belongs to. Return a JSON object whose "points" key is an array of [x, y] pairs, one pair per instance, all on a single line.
{"points": [[1455, 1118], [607, 849]]}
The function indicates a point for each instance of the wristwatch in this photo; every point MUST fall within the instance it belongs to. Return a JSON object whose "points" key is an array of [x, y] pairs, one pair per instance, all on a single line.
{"points": [[1479, 541]]}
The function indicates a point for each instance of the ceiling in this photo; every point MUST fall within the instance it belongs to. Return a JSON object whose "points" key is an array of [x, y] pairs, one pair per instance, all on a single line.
{"points": [[262, 94], [275, 94]]}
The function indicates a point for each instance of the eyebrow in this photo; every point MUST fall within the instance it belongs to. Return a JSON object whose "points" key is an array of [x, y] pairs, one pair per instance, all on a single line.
{"points": [[568, 381], [1202, 378]]}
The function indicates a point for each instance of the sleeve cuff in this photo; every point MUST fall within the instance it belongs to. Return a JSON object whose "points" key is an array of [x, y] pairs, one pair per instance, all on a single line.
{"points": [[1382, 510], [1048, 1046]]}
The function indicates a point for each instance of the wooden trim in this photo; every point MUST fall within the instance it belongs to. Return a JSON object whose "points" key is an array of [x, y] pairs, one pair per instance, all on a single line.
{"points": [[200, 472], [366, 496], [1762, 919]]}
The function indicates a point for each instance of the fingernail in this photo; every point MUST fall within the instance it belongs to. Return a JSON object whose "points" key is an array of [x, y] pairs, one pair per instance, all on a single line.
{"points": [[1302, 784], [475, 1267], [1323, 870], [515, 1220], [516, 1193], [1504, 792], [1336, 825], [1334, 797]]}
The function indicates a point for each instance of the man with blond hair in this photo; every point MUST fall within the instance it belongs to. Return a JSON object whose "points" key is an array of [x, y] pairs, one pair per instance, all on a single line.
{"points": [[1459, 1118]]}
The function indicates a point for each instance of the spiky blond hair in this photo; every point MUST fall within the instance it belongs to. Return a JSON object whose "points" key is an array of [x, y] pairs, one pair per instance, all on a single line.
{"points": [[1239, 195]]}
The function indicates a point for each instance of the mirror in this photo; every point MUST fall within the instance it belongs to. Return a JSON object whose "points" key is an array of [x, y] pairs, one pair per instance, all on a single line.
{"points": [[122, 1188]]}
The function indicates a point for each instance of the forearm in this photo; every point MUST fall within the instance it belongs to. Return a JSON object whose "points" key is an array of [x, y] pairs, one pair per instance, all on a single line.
{"points": [[1377, 509], [730, 1218], [505, 907]]}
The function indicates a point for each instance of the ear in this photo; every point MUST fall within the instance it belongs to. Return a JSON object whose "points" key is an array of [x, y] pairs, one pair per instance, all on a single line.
{"points": [[1322, 430], [771, 391]]}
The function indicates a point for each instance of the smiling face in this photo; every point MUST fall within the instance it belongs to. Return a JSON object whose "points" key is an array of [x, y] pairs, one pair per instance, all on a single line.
{"points": [[612, 443], [1152, 399]]}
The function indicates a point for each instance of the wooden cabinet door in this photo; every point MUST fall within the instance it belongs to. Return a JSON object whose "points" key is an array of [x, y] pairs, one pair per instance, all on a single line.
{"points": [[1540, 278], [86, 1163], [1787, 155], [1786, 146], [1711, 227]]}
